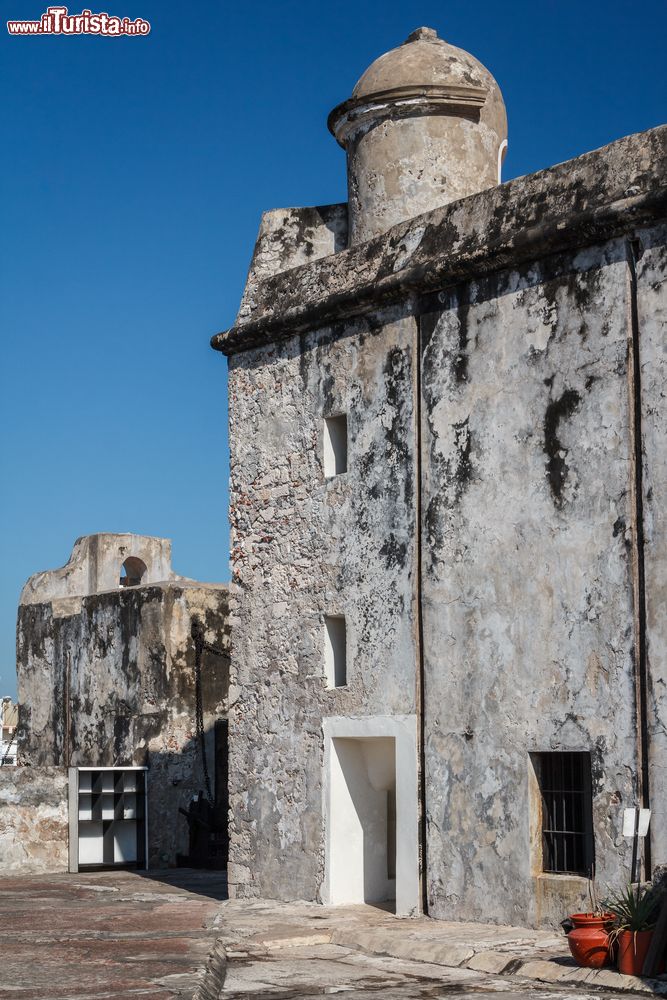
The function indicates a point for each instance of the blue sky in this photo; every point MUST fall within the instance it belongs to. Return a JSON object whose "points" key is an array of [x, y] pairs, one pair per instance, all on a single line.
{"points": [[133, 176]]}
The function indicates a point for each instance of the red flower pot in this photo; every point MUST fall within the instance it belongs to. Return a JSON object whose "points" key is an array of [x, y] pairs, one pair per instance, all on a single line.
{"points": [[632, 950], [589, 940]]}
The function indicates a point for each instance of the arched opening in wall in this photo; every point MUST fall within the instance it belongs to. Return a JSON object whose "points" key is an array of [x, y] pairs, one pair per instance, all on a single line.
{"points": [[502, 152], [132, 572]]}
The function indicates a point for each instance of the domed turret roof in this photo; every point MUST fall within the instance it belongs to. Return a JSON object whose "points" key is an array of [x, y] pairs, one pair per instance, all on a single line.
{"points": [[424, 75], [423, 60]]}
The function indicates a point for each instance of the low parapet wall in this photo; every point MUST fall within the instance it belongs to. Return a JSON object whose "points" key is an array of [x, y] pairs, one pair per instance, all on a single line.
{"points": [[33, 819]]}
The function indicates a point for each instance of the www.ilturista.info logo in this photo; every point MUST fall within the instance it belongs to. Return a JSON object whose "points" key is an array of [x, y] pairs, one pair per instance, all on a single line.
{"points": [[58, 21]]}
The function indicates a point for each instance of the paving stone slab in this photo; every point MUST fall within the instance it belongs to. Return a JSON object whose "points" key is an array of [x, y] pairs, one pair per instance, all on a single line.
{"points": [[493, 962], [546, 972]]}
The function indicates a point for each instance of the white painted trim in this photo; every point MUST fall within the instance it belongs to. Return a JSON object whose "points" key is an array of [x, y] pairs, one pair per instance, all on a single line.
{"points": [[402, 729], [120, 767], [145, 815], [73, 824]]}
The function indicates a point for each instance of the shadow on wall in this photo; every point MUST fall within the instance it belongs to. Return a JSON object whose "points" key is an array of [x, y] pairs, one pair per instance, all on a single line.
{"points": [[188, 802]]}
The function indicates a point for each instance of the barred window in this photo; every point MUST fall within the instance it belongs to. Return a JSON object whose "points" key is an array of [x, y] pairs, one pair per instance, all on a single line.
{"points": [[565, 784]]}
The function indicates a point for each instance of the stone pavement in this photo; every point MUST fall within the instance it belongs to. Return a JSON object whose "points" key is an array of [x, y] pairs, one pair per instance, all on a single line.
{"points": [[164, 935], [301, 949], [109, 935]]}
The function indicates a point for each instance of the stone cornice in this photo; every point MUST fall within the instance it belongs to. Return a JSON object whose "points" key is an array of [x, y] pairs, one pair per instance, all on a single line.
{"points": [[359, 113], [593, 197]]}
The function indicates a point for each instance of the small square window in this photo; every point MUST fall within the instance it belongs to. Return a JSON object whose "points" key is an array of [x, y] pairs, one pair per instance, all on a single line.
{"points": [[565, 784], [335, 445], [335, 651]]}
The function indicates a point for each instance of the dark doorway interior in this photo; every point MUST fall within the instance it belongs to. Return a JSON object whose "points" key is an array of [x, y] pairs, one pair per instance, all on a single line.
{"points": [[207, 820]]}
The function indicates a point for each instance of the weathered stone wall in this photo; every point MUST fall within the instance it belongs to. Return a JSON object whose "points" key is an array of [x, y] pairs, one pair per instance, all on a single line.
{"points": [[575, 204], [95, 565], [111, 682], [527, 617], [33, 819], [291, 236], [527, 584], [651, 271], [525, 470], [304, 546]]}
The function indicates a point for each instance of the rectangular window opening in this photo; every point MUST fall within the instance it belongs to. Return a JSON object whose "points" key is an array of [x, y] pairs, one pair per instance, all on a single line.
{"points": [[566, 792], [335, 652], [335, 445]]}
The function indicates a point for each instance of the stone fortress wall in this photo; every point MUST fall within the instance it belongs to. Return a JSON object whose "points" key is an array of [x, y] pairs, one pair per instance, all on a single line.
{"points": [[496, 541], [106, 677]]}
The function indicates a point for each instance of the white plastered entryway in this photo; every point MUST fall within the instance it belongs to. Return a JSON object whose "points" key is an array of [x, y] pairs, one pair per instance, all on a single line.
{"points": [[370, 812]]}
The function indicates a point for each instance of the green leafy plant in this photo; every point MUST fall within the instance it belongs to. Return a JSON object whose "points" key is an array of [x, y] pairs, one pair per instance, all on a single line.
{"points": [[634, 909]]}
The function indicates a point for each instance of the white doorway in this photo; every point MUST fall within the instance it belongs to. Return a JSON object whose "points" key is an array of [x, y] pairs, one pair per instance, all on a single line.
{"points": [[370, 811], [363, 852]]}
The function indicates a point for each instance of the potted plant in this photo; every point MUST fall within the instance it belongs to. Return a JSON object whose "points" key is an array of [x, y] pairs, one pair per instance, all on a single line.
{"points": [[589, 939], [635, 913], [588, 934]]}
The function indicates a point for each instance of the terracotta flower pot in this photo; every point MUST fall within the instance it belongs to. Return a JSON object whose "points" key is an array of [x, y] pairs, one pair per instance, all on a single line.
{"points": [[589, 940], [632, 950]]}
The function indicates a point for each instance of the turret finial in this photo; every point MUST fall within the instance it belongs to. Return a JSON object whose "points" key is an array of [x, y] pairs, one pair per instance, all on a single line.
{"points": [[422, 35]]}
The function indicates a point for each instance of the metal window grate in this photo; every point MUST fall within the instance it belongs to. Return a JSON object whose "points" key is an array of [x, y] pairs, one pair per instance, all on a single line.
{"points": [[567, 813]]}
